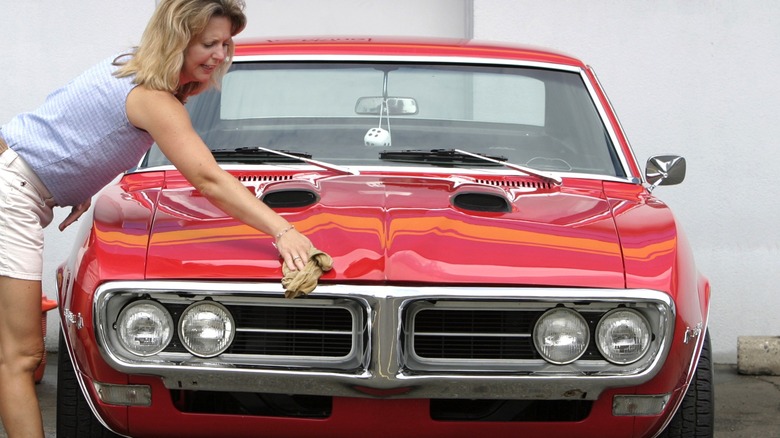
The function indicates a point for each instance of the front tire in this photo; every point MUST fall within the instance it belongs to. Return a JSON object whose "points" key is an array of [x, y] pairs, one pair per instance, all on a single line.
{"points": [[695, 418], [74, 416]]}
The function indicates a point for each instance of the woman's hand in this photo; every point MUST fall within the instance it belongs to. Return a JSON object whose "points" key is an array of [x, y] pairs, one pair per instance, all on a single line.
{"points": [[294, 248], [75, 213]]}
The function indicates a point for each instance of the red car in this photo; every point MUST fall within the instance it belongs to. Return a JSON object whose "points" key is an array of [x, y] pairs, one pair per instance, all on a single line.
{"points": [[501, 264]]}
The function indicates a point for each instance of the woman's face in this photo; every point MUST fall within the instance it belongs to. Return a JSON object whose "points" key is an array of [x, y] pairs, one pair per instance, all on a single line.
{"points": [[206, 51]]}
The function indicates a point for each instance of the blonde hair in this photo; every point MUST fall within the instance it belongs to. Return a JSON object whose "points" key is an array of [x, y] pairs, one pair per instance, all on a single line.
{"points": [[158, 59]]}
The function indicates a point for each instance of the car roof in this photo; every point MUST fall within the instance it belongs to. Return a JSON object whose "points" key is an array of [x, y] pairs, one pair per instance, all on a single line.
{"points": [[401, 46]]}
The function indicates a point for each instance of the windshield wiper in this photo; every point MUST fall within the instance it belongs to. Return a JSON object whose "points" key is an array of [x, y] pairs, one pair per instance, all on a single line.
{"points": [[439, 156], [526, 170], [460, 157], [257, 155], [264, 155]]}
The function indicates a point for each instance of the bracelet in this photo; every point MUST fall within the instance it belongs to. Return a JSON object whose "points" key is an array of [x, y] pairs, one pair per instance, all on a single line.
{"points": [[281, 233]]}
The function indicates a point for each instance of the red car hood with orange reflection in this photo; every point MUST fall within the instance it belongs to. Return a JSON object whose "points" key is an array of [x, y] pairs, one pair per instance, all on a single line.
{"points": [[403, 229]]}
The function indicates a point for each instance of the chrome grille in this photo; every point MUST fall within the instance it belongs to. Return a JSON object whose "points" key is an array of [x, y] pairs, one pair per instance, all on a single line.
{"points": [[473, 334], [271, 331], [517, 184], [285, 330], [253, 178], [394, 331], [476, 334]]}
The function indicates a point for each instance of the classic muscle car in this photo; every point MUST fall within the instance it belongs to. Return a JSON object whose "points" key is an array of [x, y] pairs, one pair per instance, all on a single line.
{"points": [[501, 263]]}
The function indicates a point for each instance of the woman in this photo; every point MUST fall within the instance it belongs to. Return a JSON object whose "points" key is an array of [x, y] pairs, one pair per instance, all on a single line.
{"points": [[85, 134]]}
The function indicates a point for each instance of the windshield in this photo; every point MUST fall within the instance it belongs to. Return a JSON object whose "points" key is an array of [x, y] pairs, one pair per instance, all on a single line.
{"points": [[351, 114]]}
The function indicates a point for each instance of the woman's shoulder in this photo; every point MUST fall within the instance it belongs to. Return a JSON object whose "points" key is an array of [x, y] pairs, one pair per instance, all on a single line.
{"points": [[145, 105], [145, 93]]}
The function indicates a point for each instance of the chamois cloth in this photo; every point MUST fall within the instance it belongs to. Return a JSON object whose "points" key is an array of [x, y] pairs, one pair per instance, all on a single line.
{"points": [[297, 283]]}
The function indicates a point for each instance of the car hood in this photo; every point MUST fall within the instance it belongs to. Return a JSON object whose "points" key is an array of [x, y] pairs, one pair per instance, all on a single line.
{"points": [[401, 229]]}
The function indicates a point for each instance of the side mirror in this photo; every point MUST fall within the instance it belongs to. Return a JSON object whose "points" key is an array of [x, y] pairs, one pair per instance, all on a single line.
{"points": [[664, 170]]}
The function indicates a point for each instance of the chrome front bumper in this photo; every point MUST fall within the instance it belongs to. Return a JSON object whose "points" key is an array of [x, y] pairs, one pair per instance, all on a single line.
{"points": [[382, 358]]}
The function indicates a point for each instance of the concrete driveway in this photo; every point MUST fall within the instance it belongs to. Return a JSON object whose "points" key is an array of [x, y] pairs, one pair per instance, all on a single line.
{"points": [[745, 406]]}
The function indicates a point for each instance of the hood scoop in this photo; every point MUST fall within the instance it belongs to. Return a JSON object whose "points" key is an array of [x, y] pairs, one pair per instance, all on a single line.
{"points": [[481, 202], [490, 195], [290, 198], [284, 196]]}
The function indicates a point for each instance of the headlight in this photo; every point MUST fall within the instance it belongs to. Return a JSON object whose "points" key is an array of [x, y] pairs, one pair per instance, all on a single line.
{"points": [[206, 328], [144, 327], [623, 336], [561, 335]]}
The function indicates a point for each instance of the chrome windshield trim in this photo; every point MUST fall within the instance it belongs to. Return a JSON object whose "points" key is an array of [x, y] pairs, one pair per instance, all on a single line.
{"points": [[623, 159], [367, 170], [385, 374], [407, 58]]}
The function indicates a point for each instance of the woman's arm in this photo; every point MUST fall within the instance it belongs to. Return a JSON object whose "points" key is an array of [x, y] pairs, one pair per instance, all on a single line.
{"points": [[165, 118]]}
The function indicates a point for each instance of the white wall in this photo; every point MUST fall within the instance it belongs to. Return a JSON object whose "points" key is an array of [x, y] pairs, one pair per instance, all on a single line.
{"points": [[691, 77], [697, 78], [436, 18]]}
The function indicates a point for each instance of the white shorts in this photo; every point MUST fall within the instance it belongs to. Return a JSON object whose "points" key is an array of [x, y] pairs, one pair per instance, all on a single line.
{"points": [[25, 210]]}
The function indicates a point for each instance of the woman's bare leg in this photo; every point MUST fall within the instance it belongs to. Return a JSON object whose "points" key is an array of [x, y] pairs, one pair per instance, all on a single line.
{"points": [[21, 351]]}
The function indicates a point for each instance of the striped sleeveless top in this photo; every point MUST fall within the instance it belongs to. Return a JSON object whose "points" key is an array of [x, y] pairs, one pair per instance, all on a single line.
{"points": [[80, 139]]}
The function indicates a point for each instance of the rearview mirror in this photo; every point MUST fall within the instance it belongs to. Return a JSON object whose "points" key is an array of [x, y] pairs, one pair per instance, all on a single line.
{"points": [[396, 106]]}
